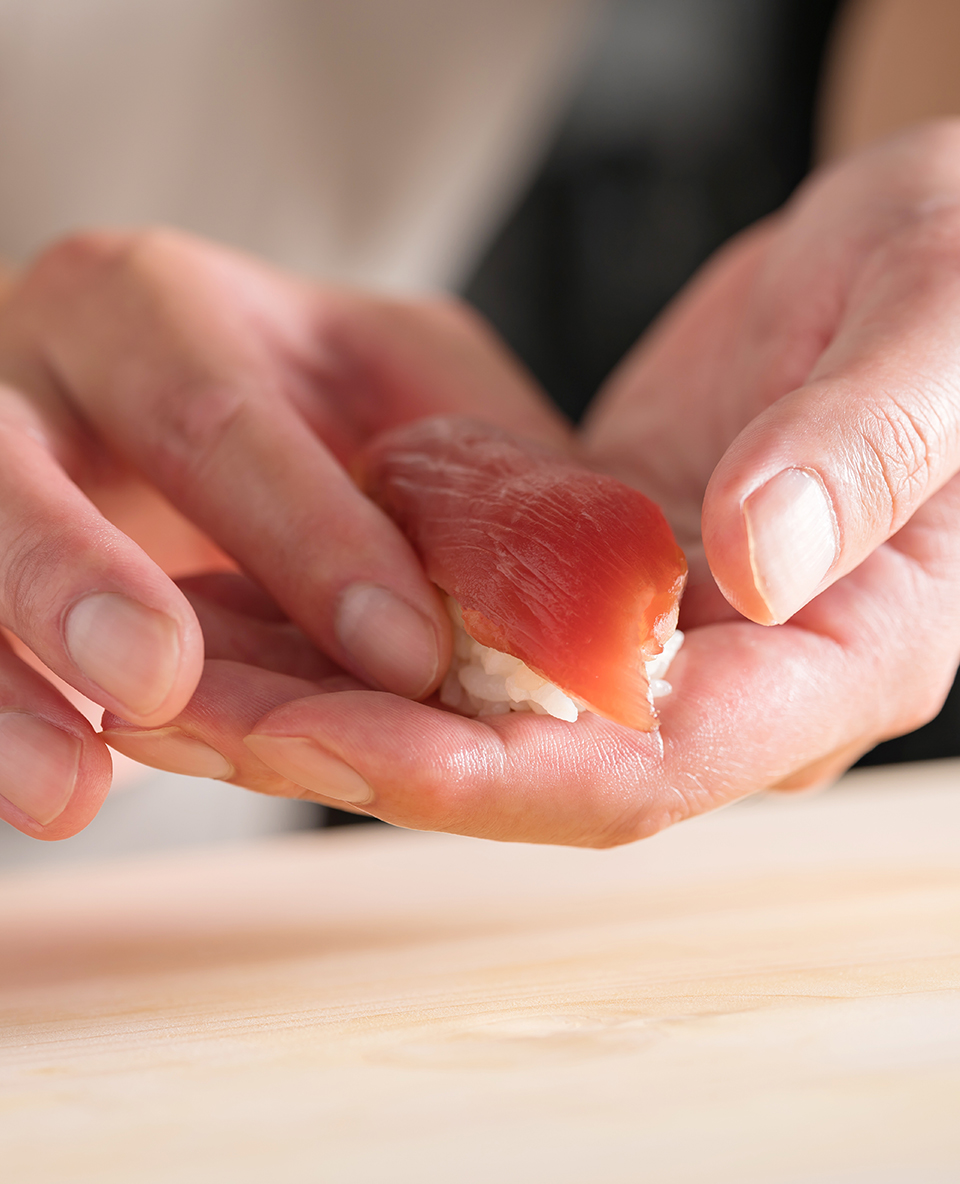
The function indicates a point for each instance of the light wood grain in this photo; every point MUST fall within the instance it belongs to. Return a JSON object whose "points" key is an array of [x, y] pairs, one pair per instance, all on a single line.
{"points": [[770, 994]]}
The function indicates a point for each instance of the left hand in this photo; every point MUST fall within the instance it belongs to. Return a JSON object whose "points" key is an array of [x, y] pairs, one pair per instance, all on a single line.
{"points": [[805, 392], [162, 391]]}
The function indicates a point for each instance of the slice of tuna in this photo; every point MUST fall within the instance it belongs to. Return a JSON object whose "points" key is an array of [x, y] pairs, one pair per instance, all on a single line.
{"points": [[573, 572]]}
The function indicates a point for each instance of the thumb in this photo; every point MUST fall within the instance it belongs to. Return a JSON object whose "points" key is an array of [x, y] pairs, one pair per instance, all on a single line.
{"points": [[830, 471]]}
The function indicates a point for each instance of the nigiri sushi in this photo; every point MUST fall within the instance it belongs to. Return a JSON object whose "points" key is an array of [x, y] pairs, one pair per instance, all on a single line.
{"points": [[564, 584]]}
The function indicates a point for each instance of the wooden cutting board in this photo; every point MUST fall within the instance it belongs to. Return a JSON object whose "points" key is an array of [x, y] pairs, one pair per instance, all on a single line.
{"points": [[769, 995]]}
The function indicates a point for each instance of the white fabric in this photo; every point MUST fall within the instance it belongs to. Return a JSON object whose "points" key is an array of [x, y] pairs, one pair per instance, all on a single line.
{"points": [[376, 141]]}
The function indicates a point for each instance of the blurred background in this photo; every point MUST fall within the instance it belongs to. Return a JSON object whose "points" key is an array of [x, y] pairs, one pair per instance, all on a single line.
{"points": [[586, 158]]}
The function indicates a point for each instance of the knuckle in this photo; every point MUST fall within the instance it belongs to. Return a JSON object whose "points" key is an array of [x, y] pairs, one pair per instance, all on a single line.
{"points": [[148, 249], [72, 265], [31, 556], [922, 708], [80, 253], [192, 421], [84, 254], [902, 445], [912, 684]]}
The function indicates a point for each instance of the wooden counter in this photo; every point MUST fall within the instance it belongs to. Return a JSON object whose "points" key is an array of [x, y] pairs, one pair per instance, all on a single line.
{"points": [[769, 995]]}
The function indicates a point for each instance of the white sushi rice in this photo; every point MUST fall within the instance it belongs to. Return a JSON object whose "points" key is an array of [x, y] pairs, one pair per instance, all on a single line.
{"points": [[483, 681]]}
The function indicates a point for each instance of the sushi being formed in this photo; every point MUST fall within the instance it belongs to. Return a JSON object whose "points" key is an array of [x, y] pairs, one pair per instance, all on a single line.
{"points": [[563, 584]]}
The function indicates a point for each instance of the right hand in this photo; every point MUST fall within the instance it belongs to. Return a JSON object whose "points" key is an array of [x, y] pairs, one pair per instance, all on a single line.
{"points": [[165, 405]]}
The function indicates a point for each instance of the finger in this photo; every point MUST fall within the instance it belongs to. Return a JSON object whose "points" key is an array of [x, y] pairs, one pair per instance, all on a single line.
{"points": [[234, 591], [832, 470], [206, 739], [186, 357], [54, 769], [270, 645], [80, 594]]}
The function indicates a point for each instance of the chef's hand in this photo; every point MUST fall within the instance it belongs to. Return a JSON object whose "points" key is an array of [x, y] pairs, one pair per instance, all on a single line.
{"points": [[165, 404], [805, 391]]}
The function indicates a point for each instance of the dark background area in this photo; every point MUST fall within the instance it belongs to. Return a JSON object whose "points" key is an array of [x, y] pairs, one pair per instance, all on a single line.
{"points": [[694, 119]]}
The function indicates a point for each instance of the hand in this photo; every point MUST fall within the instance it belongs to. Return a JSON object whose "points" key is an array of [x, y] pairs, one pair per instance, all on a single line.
{"points": [[166, 408], [807, 389], [806, 392]]}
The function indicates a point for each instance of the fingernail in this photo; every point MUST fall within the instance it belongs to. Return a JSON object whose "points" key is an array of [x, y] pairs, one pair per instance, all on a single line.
{"points": [[314, 768], [172, 750], [132, 652], [792, 537], [38, 765], [395, 645]]}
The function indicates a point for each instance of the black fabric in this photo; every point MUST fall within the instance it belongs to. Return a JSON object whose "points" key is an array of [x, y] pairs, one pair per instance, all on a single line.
{"points": [[333, 817], [604, 237]]}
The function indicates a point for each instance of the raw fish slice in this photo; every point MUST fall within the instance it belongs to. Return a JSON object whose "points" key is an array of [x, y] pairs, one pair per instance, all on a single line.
{"points": [[572, 572]]}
